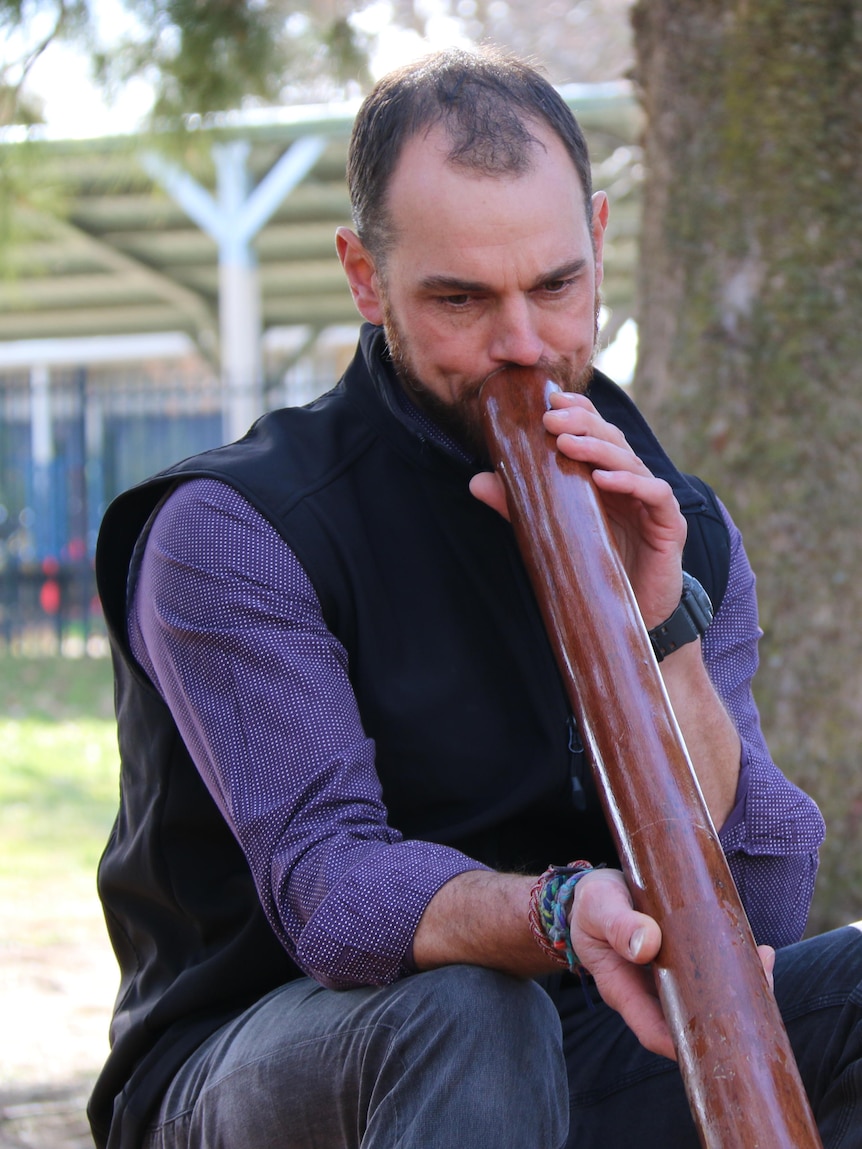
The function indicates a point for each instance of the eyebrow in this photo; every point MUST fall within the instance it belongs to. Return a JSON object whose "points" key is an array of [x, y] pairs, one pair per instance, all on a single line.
{"points": [[454, 285]]}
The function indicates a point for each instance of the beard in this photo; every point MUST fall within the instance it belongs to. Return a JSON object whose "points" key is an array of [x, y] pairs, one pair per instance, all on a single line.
{"points": [[462, 419]]}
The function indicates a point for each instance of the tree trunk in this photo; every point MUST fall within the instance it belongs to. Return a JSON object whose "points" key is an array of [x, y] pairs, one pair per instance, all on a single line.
{"points": [[750, 302]]}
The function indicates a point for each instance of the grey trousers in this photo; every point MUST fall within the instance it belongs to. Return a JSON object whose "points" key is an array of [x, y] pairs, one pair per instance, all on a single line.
{"points": [[464, 1058]]}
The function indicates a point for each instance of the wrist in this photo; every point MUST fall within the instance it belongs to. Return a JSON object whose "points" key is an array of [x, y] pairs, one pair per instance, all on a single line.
{"points": [[550, 910], [686, 624]]}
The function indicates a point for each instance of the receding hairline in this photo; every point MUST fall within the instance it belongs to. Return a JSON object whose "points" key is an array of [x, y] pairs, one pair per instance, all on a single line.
{"points": [[490, 105], [535, 127]]}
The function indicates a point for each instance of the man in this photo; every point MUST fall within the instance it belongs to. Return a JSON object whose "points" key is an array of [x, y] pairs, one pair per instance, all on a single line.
{"points": [[347, 753]]}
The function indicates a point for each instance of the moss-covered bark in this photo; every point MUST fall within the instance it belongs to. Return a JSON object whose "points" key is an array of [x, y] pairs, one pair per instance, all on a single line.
{"points": [[751, 348]]}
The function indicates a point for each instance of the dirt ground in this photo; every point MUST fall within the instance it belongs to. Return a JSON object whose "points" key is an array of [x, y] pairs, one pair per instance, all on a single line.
{"points": [[58, 978]]}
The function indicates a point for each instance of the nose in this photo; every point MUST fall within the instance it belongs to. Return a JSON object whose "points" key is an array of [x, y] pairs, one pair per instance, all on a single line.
{"points": [[514, 338]]}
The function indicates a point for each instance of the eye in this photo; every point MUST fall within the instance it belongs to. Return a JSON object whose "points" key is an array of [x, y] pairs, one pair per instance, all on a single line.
{"points": [[456, 301], [557, 286]]}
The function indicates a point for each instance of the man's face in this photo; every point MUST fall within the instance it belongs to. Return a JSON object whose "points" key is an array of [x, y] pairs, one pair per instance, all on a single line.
{"points": [[484, 273]]}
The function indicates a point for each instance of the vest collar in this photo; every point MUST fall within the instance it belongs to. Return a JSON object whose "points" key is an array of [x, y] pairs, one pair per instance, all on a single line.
{"points": [[371, 382]]}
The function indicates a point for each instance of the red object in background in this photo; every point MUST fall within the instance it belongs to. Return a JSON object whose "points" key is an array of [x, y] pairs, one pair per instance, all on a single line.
{"points": [[76, 550], [49, 596]]}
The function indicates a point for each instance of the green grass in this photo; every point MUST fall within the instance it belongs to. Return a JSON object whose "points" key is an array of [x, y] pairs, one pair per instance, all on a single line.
{"points": [[54, 689], [58, 766]]}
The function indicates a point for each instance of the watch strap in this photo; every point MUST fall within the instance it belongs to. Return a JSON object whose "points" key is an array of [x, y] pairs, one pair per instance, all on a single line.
{"points": [[688, 622]]}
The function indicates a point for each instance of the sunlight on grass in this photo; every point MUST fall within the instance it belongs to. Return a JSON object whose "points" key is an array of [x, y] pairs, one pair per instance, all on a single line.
{"points": [[58, 794], [58, 767]]}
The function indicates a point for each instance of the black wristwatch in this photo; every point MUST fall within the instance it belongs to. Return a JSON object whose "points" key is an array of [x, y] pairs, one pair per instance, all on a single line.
{"points": [[688, 622]]}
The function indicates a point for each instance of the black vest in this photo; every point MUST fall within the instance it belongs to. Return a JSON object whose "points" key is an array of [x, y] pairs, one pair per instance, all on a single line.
{"points": [[453, 674]]}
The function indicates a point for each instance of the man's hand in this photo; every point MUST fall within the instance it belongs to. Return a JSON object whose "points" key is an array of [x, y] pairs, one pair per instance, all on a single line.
{"points": [[648, 525], [616, 943]]}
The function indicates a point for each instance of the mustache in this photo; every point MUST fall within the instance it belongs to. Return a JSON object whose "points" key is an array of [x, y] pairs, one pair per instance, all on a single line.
{"points": [[566, 377]]}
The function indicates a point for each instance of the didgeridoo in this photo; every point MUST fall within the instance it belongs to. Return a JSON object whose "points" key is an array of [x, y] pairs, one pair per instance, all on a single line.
{"points": [[739, 1071]]}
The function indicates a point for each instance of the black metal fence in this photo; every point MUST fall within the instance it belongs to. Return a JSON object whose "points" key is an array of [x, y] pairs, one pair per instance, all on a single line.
{"points": [[69, 442], [73, 439]]}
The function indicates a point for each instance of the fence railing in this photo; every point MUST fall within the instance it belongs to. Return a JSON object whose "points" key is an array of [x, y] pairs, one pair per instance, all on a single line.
{"points": [[50, 608], [70, 441]]}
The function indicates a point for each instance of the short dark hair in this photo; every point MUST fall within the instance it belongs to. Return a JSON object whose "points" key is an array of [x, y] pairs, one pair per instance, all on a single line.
{"points": [[486, 100]]}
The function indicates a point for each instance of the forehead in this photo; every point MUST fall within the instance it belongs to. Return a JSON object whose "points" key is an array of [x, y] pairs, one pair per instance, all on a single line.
{"points": [[440, 211]]}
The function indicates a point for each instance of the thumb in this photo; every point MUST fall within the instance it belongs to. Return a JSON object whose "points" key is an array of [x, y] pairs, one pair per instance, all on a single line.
{"points": [[767, 957], [488, 488]]}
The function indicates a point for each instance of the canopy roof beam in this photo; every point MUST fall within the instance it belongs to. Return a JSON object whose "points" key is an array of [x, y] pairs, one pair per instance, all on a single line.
{"points": [[232, 219], [195, 313]]}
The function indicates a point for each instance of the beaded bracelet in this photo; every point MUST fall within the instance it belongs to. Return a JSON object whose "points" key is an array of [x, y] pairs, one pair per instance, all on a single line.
{"points": [[549, 924]]}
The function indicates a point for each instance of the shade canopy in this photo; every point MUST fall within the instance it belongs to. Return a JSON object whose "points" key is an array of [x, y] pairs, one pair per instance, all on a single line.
{"points": [[98, 246]]}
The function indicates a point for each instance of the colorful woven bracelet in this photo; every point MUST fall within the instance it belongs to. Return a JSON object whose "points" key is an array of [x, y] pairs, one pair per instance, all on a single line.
{"points": [[548, 919]]}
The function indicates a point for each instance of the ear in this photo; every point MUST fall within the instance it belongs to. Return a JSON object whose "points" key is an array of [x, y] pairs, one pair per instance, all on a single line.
{"points": [[601, 209], [361, 274]]}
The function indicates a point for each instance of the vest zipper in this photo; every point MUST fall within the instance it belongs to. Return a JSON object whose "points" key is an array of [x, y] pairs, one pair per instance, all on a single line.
{"points": [[577, 765]]}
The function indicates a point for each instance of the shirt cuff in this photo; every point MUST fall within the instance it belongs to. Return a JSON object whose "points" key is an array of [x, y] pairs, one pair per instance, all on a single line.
{"points": [[362, 932]]}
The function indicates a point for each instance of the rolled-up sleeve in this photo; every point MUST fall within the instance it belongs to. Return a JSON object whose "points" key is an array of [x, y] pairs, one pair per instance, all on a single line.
{"points": [[773, 835], [227, 625]]}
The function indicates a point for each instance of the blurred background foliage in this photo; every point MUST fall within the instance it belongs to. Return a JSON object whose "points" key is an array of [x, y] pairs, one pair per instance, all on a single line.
{"points": [[219, 55]]}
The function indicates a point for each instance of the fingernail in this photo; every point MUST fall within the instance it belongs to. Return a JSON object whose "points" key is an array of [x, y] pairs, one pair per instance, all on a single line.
{"points": [[636, 942]]}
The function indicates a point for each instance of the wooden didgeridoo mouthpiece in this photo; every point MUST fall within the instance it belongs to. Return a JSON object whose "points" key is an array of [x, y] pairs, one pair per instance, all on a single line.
{"points": [[736, 1061]]}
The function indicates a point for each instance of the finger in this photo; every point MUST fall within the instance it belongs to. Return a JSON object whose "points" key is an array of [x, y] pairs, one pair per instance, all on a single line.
{"points": [[767, 957], [653, 495], [602, 916], [640, 485], [603, 452], [584, 422], [631, 935], [488, 488], [559, 400], [630, 990]]}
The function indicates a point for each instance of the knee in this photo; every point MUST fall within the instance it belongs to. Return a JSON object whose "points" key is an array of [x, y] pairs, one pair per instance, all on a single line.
{"points": [[485, 1021], [475, 1051]]}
